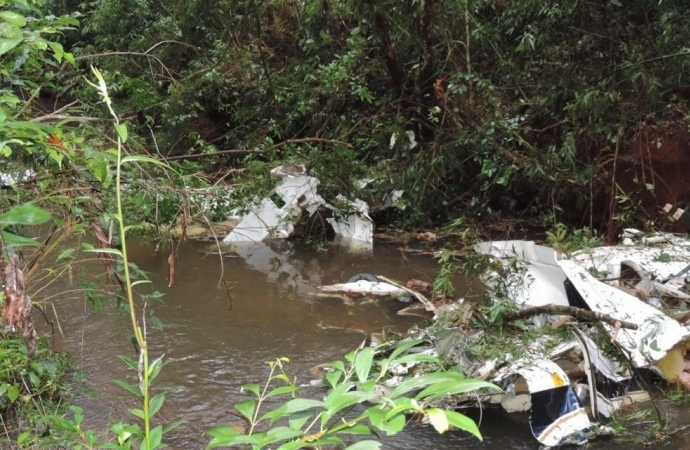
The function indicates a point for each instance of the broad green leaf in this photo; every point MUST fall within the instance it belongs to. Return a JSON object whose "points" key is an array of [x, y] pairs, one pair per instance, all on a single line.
{"points": [[26, 214], [426, 380], [9, 31], [416, 357], [365, 445], [8, 44], [298, 420], [65, 254], [34, 379], [24, 438], [128, 387], [279, 434], [222, 436], [338, 365], [12, 393], [14, 239], [13, 18], [121, 129], [173, 425], [156, 403], [97, 165], [130, 362], [58, 51], [333, 377], [280, 390], [464, 423], [438, 419], [293, 406], [400, 349], [393, 425], [251, 387], [363, 362], [156, 437], [246, 408], [454, 387], [137, 413]]}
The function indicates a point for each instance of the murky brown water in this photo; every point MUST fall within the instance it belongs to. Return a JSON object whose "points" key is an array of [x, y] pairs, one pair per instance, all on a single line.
{"points": [[214, 344]]}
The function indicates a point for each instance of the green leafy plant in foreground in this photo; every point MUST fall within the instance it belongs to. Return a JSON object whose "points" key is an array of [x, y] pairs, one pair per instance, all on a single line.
{"points": [[310, 423]]}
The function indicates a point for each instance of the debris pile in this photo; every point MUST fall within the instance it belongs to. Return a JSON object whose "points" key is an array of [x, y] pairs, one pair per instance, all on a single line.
{"points": [[581, 330]]}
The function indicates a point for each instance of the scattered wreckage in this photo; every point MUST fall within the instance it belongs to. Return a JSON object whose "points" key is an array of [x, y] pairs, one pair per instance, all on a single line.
{"points": [[275, 215], [614, 293]]}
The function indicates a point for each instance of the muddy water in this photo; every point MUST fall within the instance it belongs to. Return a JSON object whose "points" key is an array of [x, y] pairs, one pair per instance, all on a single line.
{"points": [[216, 339]]}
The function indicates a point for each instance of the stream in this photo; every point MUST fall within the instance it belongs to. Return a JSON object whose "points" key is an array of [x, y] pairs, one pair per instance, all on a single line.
{"points": [[215, 339]]}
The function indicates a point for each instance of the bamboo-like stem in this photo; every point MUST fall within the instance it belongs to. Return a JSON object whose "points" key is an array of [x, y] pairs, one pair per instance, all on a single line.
{"points": [[467, 52]]}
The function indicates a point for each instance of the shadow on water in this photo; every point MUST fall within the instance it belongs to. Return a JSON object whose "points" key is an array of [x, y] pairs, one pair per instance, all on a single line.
{"points": [[214, 342]]}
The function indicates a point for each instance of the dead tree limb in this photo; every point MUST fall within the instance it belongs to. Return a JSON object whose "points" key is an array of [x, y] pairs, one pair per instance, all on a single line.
{"points": [[262, 150], [570, 311], [423, 300]]}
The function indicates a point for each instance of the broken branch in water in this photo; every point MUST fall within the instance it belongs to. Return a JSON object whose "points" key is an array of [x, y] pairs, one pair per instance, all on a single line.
{"points": [[571, 311], [427, 304]]}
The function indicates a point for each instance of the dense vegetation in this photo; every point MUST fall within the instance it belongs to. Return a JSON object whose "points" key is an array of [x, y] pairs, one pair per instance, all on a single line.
{"points": [[514, 106], [572, 112]]}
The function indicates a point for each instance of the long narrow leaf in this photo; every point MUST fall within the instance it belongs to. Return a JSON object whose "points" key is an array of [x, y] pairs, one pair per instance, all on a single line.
{"points": [[363, 362], [464, 423]]}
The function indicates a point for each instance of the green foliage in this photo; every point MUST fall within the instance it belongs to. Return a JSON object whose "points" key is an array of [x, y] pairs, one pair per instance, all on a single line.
{"points": [[304, 422], [23, 215], [24, 381], [565, 241], [509, 103]]}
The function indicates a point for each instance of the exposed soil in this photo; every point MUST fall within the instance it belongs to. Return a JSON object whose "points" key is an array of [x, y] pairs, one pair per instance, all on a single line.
{"points": [[656, 170]]}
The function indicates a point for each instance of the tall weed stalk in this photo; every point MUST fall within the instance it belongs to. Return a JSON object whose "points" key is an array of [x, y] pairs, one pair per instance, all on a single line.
{"points": [[151, 438]]}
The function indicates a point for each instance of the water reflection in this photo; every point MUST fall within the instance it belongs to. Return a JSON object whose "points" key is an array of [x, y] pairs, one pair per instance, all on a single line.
{"points": [[213, 343]]}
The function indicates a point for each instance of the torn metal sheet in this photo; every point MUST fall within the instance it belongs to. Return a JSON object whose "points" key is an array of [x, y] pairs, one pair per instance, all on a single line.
{"points": [[659, 341], [611, 386], [355, 229], [556, 414], [542, 282], [664, 256], [275, 215], [268, 219]]}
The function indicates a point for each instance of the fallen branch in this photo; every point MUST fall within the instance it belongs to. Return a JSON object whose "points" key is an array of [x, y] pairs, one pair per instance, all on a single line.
{"points": [[571, 311], [427, 304], [263, 150]]}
